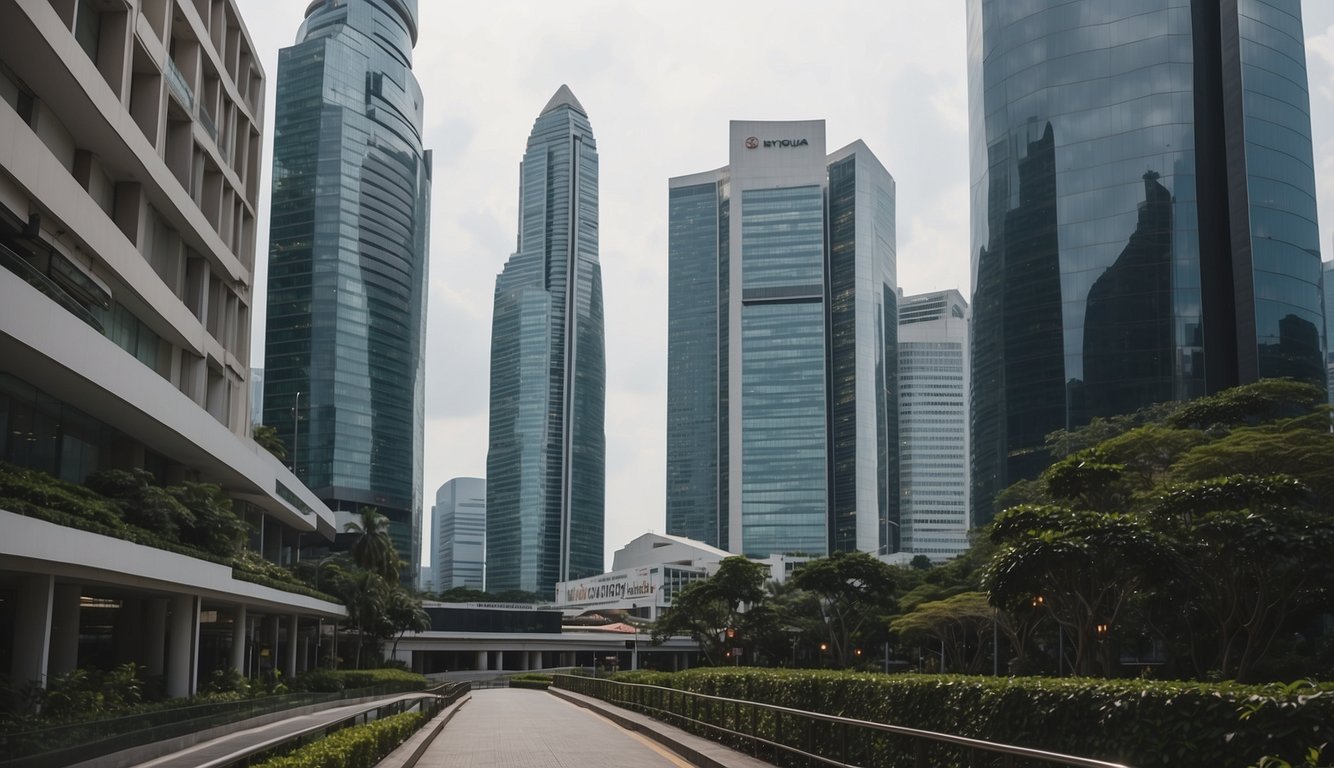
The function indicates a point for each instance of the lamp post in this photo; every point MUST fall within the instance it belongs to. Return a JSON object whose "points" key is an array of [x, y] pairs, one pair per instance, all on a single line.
{"points": [[889, 542], [319, 632]]}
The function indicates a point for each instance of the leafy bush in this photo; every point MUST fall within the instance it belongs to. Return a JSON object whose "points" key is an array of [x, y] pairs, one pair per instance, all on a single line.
{"points": [[531, 681], [333, 680], [359, 747], [1137, 722]]}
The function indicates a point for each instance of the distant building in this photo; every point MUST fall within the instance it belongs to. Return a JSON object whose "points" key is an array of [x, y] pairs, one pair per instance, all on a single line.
{"points": [[256, 395], [129, 182], [546, 456], [458, 535], [781, 358], [1143, 214], [933, 424], [344, 355]]}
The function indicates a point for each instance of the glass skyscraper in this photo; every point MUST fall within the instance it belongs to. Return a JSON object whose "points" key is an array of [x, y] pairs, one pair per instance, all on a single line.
{"points": [[545, 466], [458, 534], [933, 423], [1143, 213], [781, 399], [344, 367]]}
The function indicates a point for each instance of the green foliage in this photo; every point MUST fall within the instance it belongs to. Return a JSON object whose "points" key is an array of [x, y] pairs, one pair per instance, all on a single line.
{"points": [[854, 588], [1137, 722], [706, 610], [1249, 404], [531, 681], [333, 680], [267, 438], [373, 550], [361, 746], [962, 624]]}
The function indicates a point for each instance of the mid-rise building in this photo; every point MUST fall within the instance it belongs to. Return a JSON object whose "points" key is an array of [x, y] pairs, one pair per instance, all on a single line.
{"points": [[1143, 213], [781, 395], [458, 535], [546, 459], [129, 180], [933, 424], [344, 366]]}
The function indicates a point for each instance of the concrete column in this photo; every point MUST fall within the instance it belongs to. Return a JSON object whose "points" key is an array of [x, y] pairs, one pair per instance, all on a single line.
{"points": [[289, 665], [155, 644], [65, 629], [303, 652], [271, 627], [523, 661], [32, 628], [483, 659], [183, 648], [240, 635], [535, 660]]}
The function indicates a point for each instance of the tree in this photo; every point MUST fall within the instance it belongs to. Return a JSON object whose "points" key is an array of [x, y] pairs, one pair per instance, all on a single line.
{"points": [[373, 549], [962, 625], [366, 595], [853, 588], [1081, 564], [707, 609], [405, 614], [267, 438], [1253, 552]]}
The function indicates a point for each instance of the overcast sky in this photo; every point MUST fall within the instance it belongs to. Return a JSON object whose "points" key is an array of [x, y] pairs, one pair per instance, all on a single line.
{"points": [[660, 81]]}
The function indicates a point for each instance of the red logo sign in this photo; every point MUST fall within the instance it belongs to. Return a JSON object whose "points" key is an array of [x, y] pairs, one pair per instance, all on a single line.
{"points": [[752, 142]]}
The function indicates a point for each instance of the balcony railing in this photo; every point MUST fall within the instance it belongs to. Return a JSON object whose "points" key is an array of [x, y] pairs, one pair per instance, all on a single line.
{"points": [[179, 86]]}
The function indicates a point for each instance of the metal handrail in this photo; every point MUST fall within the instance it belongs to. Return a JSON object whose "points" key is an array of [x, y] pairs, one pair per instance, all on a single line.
{"points": [[672, 704], [85, 740]]}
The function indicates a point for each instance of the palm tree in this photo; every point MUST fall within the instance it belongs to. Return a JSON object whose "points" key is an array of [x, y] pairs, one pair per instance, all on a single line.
{"points": [[406, 615], [366, 596], [373, 549]]}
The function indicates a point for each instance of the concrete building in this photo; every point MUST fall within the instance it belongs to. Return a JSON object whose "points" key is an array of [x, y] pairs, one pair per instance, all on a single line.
{"points": [[129, 176], [546, 455], [344, 356], [781, 412], [458, 535], [1143, 214], [933, 424]]}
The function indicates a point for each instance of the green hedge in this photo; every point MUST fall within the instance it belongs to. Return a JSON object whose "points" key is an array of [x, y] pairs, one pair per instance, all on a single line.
{"points": [[332, 680], [361, 746], [1136, 722]]}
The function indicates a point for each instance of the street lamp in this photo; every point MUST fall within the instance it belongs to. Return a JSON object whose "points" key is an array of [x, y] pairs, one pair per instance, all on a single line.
{"points": [[889, 542]]}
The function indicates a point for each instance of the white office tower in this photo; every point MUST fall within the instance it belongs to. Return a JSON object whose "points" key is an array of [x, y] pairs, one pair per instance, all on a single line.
{"points": [[458, 535], [933, 424]]}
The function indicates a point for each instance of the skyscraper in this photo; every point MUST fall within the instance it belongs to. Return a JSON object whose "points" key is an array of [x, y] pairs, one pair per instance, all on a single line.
{"points": [[343, 365], [933, 423], [1143, 213], [782, 320], [546, 460], [458, 534], [1329, 328]]}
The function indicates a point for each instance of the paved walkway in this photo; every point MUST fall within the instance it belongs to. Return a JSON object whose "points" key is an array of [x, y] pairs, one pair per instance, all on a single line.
{"points": [[515, 728], [208, 752]]}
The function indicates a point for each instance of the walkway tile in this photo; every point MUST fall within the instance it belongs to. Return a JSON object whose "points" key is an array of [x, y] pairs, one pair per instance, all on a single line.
{"points": [[515, 728]]}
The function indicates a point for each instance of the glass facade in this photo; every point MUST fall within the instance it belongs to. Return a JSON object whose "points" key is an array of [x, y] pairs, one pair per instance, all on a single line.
{"points": [[694, 284], [815, 351], [933, 423], [1329, 328], [546, 459], [1143, 213], [344, 367], [458, 543]]}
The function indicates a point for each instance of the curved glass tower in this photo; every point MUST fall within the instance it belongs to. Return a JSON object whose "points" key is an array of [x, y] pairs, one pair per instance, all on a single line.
{"points": [[344, 367], [1143, 213], [545, 467]]}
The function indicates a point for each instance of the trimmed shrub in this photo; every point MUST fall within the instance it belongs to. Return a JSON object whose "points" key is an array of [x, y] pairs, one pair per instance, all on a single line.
{"points": [[531, 680], [361, 746], [332, 680], [1136, 722]]}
